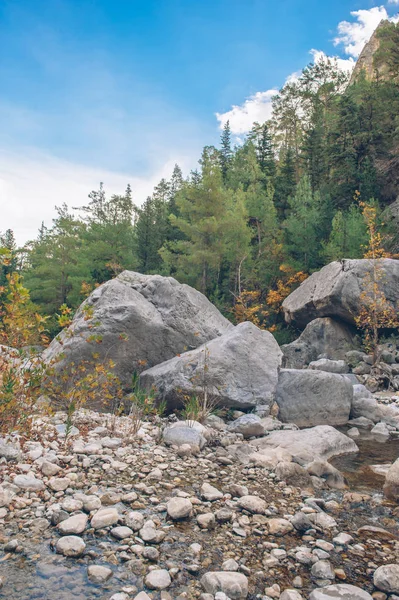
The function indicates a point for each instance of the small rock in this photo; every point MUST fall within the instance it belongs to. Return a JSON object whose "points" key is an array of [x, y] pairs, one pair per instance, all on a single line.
{"points": [[386, 578], [25, 482], [99, 574], [105, 517], [70, 545], [121, 533], [179, 508], [279, 526], [253, 504], [158, 579], [341, 591], [210, 493], [234, 585], [206, 521], [72, 525]]}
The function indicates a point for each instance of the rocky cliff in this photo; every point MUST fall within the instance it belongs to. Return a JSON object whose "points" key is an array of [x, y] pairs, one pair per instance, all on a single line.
{"points": [[365, 63]]}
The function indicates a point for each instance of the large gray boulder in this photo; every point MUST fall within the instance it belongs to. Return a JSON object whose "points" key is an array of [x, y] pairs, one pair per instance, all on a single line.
{"points": [[307, 445], [309, 397], [139, 320], [323, 336], [239, 369], [335, 290]]}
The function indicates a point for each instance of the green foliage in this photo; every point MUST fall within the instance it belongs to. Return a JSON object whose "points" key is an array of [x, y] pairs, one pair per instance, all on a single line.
{"points": [[302, 226], [283, 197]]}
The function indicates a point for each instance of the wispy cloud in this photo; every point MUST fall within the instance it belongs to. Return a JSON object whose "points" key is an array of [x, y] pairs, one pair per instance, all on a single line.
{"points": [[258, 107], [255, 108], [33, 183], [353, 35]]}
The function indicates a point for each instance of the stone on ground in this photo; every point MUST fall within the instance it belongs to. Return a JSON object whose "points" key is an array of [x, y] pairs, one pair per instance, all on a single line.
{"points": [[309, 398], [233, 584], [241, 370]]}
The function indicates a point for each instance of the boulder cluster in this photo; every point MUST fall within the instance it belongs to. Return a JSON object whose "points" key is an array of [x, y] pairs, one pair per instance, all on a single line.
{"points": [[242, 505]]}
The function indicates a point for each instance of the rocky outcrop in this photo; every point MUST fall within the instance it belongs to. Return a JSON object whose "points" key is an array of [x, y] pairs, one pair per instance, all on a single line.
{"points": [[137, 320], [310, 397], [335, 291], [365, 65], [239, 369], [322, 442], [323, 336]]}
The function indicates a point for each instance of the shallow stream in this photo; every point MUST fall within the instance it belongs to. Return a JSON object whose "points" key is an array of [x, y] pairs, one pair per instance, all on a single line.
{"points": [[356, 467]]}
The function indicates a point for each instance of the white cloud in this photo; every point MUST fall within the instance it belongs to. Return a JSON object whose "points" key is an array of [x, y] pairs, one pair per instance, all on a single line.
{"points": [[354, 35], [393, 1], [255, 108], [31, 184], [258, 107], [345, 64]]}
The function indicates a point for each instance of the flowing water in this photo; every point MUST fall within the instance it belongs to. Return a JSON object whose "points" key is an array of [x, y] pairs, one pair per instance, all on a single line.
{"points": [[39, 573], [356, 467]]}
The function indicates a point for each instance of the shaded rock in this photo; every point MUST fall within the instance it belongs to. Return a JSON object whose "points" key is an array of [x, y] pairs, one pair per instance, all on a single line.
{"points": [[330, 366], [321, 336], [70, 545], [307, 397], [323, 520], [49, 469], [25, 482], [140, 319], [342, 591], [233, 584], [241, 370], [365, 407], [9, 451], [323, 469], [335, 291], [301, 522], [305, 445], [293, 474], [248, 426]]}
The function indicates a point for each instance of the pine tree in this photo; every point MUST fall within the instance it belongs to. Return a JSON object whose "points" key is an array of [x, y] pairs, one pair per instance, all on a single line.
{"points": [[109, 235], [302, 227], [225, 151], [348, 235], [285, 183], [262, 139], [56, 264], [203, 208]]}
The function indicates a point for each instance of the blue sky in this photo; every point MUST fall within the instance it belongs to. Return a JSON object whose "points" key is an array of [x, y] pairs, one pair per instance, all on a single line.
{"points": [[119, 90]]}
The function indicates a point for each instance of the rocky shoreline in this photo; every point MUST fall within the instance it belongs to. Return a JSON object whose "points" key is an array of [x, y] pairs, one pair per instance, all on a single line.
{"points": [[101, 517]]}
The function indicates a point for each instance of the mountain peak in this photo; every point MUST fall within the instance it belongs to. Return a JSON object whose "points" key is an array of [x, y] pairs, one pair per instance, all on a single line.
{"points": [[365, 63]]}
